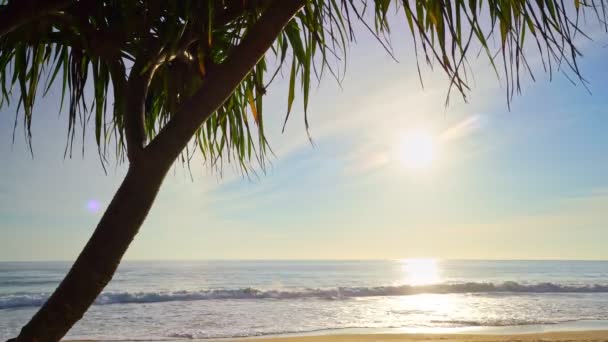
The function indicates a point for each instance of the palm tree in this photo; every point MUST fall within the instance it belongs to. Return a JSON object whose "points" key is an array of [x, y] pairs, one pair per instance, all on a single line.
{"points": [[185, 77]]}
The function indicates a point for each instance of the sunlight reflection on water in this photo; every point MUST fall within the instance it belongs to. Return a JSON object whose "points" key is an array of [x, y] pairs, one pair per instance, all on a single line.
{"points": [[421, 271]]}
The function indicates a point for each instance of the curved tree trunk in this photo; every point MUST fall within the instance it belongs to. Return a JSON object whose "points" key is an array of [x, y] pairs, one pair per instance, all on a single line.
{"points": [[100, 257]]}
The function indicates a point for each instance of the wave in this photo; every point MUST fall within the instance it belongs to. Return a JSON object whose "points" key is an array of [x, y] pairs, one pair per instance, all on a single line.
{"points": [[20, 300], [28, 282]]}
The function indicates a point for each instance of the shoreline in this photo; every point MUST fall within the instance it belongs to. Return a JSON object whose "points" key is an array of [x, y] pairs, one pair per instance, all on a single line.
{"points": [[576, 331], [557, 336], [565, 336]]}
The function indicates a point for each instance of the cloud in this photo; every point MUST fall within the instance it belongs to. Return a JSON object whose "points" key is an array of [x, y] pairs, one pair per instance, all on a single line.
{"points": [[463, 128]]}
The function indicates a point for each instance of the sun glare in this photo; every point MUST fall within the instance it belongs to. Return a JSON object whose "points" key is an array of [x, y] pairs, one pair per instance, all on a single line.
{"points": [[417, 149], [421, 271]]}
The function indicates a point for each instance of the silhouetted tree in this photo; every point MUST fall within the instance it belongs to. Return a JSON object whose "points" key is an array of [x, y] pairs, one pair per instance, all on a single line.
{"points": [[189, 76]]}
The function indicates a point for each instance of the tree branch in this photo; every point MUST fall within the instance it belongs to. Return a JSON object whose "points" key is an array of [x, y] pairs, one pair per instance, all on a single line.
{"points": [[20, 12], [221, 82], [134, 97]]}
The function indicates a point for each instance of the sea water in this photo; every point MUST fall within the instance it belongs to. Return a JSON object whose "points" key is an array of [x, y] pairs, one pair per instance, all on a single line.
{"points": [[159, 300]]}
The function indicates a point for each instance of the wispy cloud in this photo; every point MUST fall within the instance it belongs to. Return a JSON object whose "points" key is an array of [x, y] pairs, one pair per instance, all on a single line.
{"points": [[463, 128]]}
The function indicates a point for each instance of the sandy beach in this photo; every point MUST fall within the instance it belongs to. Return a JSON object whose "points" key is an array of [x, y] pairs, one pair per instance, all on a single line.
{"points": [[578, 336], [568, 336]]}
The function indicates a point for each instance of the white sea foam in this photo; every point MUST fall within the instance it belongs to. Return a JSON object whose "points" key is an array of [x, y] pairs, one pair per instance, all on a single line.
{"points": [[509, 287]]}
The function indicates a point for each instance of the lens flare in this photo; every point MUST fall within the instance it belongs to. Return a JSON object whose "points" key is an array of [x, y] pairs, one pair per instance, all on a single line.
{"points": [[93, 206]]}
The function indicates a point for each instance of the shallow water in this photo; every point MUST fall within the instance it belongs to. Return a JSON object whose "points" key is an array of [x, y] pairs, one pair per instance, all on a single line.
{"points": [[210, 299]]}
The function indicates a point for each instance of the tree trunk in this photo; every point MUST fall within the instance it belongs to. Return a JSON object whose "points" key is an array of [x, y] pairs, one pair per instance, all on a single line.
{"points": [[101, 256]]}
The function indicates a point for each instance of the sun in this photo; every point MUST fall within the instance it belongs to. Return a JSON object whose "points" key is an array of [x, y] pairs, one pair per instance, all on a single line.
{"points": [[417, 149]]}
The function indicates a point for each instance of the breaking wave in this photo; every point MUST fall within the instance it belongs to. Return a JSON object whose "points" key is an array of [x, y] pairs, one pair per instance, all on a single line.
{"points": [[20, 300]]}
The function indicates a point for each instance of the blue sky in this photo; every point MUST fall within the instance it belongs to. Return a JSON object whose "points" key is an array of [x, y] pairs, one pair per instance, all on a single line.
{"points": [[525, 183]]}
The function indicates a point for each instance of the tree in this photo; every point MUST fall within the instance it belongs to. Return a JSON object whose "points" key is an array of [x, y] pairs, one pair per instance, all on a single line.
{"points": [[189, 77]]}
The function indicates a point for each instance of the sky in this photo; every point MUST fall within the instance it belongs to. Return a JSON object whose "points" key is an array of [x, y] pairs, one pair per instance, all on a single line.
{"points": [[393, 173]]}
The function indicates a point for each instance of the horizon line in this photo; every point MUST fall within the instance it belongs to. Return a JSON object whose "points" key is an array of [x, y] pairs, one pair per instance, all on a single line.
{"points": [[313, 259]]}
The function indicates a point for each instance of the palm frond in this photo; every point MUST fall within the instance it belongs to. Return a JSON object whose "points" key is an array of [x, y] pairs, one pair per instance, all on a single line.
{"points": [[174, 45]]}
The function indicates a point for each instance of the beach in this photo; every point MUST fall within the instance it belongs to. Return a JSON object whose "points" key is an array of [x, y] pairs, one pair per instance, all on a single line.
{"points": [[572, 336], [563, 336]]}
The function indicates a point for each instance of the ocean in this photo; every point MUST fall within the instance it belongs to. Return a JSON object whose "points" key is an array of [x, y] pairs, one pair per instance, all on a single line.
{"points": [[164, 300]]}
